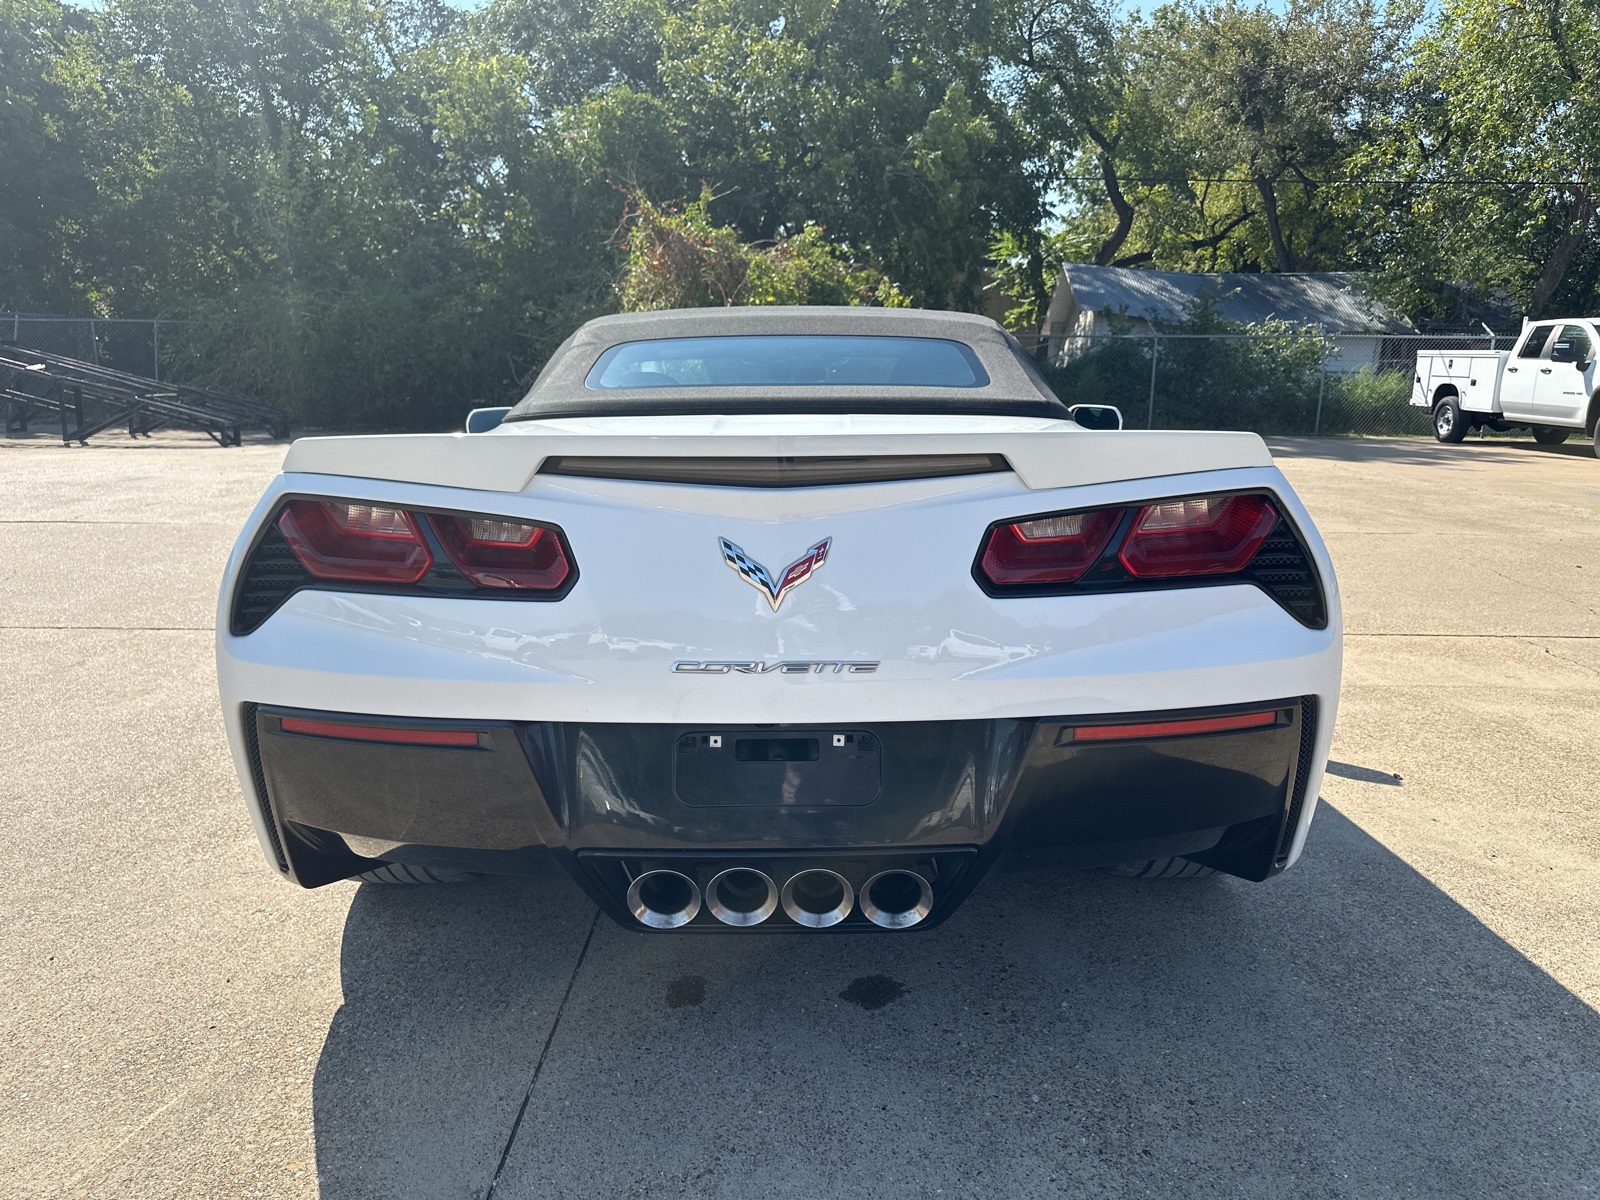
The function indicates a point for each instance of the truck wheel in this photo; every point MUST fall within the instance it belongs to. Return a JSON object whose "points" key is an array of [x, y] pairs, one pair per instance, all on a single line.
{"points": [[402, 874], [1448, 423], [1163, 868], [1550, 435], [1597, 441]]}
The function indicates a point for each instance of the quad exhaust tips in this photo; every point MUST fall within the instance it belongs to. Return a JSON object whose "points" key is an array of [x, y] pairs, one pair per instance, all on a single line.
{"points": [[742, 896], [896, 899], [817, 898], [664, 899]]}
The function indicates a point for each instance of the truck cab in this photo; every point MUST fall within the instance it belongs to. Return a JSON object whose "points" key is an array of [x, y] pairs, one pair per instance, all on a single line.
{"points": [[1546, 383]]}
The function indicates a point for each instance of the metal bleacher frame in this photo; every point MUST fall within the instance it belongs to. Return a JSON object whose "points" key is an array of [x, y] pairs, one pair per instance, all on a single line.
{"points": [[86, 399]]}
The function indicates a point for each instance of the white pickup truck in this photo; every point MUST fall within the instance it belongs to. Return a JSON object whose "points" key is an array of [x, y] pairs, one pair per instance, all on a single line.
{"points": [[1546, 382]]}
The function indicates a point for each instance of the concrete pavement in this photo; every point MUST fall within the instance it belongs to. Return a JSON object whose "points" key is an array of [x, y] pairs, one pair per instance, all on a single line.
{"points": [[1411, 1011]]}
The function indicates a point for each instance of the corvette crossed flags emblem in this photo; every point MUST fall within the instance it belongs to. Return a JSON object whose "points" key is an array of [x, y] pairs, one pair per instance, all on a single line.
{"points": [[758, 577]]}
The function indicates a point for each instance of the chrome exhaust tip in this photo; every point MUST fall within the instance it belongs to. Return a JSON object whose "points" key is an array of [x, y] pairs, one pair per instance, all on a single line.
{"points": [[896, 899], [663, 899], [742, 896], [817, 898]]}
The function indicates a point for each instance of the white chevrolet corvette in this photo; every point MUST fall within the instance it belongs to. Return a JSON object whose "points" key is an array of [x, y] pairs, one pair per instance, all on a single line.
{"points": [[781, 618]]}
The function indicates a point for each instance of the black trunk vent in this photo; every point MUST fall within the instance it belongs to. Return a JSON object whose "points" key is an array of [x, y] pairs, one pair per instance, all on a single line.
{"points": [[271, 575], [814, 471]]}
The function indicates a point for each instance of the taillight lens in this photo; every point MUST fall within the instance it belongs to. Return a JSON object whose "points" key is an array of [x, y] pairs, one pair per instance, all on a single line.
{"points": [[1195, 535], [504, 554], [1049, 549], [357, 545], [1203, 535], [369, 542]]}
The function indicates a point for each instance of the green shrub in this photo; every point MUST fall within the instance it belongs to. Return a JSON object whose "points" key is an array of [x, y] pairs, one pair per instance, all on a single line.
{"points": [[1374, 403], [683, 260], [1211, 373]]}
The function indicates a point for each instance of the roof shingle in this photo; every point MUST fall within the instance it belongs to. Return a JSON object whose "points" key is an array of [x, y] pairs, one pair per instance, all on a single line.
{"points": [[1331, 300]]}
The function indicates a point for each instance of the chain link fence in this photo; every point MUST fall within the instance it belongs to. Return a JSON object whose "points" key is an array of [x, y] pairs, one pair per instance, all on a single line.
{"points": [[1295, 385], [1302, 384], [123, 344]]}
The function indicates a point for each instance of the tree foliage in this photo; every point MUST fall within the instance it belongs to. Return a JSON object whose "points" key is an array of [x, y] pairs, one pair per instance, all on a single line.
{"points": [[1208, 136], [382, 211], [46, 190], [1497, 156], [682, 260]]}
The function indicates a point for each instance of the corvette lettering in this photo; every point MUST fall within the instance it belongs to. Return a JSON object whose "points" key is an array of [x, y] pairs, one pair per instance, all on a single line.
{"points": [[758, 577], [831, 666]]}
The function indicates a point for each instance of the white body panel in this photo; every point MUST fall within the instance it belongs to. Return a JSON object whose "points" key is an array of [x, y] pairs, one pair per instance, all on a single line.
{"points": [[897, 589], [1561, 395], [1043, 453]]}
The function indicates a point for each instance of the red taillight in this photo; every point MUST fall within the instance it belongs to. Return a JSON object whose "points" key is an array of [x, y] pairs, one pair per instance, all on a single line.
{"points": [[339, 540], [493, 552], [1049, 549], [394, 735], [1181, 728], [1203, 535]]}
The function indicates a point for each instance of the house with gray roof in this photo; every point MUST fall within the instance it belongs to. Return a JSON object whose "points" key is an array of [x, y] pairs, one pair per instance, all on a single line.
{"points": [[1093, 302]]}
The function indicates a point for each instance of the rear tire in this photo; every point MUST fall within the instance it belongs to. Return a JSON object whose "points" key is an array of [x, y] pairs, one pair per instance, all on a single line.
{"points": [[1163, 868], [1597, 441], [405, 875], [1550, 435], [1449, 425]]}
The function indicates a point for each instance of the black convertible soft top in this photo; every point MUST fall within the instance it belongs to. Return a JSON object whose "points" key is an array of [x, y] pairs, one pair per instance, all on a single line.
{"points": [[1014, 387]]}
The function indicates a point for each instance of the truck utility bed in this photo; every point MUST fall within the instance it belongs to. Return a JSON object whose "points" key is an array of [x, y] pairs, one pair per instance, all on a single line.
{"points": [[1475, 375]]}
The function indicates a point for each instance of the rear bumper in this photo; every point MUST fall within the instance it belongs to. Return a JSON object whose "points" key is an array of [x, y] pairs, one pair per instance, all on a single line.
{"points": [[612, 800]]}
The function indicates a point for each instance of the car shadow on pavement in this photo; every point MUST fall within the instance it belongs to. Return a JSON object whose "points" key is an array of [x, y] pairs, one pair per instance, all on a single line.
{"points": [[1347, 1029], [1424, 451]]}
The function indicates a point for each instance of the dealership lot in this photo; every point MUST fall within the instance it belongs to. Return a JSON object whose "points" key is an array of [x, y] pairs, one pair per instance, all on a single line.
{"points": [[1411, 1011]]}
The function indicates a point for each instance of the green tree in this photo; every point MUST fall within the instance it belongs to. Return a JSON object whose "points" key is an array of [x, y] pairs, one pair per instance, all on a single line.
{"points": [[1206, 136], [876, 121], [1498, 151], [1287, 98], [352, 204], [46, 190]]}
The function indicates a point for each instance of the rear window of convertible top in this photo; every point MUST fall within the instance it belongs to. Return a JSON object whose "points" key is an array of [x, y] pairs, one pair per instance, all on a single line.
{"points": [[788, 360]]}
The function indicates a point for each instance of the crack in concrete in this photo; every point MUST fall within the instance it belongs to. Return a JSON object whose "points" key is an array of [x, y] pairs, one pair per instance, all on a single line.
{"points": [[1509, 637], [114, 629], [505, 1152], [1571, 662]]}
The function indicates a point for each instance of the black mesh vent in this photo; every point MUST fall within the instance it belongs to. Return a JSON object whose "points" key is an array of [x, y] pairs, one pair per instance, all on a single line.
{"points": [[252, 749], [1302, 774], [271, 575], [1284, 571]]}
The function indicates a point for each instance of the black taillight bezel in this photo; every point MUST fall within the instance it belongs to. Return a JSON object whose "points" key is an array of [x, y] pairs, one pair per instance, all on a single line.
{"points": [[443, 579], [1108, 575]]}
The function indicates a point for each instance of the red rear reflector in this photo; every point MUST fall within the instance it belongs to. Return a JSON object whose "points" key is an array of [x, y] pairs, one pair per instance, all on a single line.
{"points": [[494, 552], [1049, 549], [1161, 729], [1203, 535], [380, 733], [337, 540]]}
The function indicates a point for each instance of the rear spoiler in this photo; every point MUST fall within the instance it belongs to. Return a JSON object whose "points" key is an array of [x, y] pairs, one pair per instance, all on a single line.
{"points": [[508, 462]]}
